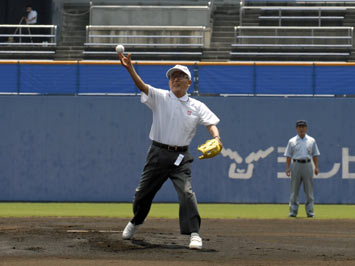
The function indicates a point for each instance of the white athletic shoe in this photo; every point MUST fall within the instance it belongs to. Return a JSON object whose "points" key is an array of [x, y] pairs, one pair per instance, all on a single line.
{"points": [[195, 241], [129, 231]]}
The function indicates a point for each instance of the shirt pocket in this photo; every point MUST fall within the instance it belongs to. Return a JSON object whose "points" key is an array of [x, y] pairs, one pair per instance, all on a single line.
{"points": [[309, 148], [291, 148], [190, 120]]}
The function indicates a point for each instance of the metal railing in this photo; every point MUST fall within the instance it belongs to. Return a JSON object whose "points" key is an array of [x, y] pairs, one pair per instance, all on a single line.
{"points": [[151, 2], [25, 32], [281, 9], [146, 36], [322, 37]]}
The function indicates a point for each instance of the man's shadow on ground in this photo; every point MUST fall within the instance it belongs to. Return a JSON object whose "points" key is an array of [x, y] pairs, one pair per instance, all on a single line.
{"points": [[147, 245]]}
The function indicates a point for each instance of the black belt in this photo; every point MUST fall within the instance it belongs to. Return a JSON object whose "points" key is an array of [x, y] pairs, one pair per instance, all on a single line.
{"points": [[302, 161], [170, 148]]}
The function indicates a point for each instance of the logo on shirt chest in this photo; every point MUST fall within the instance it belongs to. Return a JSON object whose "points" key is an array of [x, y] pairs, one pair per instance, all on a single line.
{"points": [[189, 112]]}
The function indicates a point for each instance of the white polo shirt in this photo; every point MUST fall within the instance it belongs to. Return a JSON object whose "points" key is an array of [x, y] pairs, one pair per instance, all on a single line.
{"points": [[298, 148], [30, 16], [175, 119]]}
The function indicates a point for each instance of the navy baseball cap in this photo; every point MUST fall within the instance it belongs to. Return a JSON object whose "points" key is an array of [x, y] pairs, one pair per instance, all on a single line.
{"points": [[301, 123]]}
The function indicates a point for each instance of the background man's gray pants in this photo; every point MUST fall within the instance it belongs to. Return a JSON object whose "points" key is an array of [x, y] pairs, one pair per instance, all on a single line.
{"points": [[158, 168], [302, 173]]}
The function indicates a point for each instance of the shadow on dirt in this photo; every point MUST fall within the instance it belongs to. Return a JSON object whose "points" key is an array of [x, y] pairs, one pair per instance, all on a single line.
{"points": [[148, 245]]}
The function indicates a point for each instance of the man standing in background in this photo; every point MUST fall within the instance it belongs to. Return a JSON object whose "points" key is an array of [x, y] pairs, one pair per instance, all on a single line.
{"points": [[31, 19], [301, 149]]}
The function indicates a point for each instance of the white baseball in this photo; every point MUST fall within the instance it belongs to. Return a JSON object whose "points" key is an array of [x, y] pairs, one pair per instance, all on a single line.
{"points": [[119, 48]]}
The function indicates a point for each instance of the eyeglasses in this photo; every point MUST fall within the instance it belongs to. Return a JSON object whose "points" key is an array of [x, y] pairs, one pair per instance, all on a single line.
{"points": [[179, 75]]}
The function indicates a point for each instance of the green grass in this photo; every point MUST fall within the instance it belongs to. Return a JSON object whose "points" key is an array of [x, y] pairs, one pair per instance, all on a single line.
{"points": [[170, 210]]}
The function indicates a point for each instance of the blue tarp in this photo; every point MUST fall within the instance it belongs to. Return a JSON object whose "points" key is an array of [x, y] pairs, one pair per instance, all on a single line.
{"points": [[47, 78], [104, 79], [250, 78], [284, 79], [9, 78], [224, 79], [335, 80]]}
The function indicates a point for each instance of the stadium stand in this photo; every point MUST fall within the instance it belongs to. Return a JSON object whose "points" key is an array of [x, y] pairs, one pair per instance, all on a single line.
{"points": [[202, 30], [299, 43], [185, 42], [19, 41], [292, 30], [298, 3], [225, 17], [290, 16], [295, 15], [74, 18], [185, 33]]}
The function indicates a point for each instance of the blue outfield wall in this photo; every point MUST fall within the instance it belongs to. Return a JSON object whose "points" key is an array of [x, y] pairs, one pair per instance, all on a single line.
{"points": [[93, 148], [73, 78]]}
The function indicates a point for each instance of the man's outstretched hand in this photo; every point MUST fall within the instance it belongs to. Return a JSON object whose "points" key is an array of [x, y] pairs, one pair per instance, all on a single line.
{"points": [[125, 60]]}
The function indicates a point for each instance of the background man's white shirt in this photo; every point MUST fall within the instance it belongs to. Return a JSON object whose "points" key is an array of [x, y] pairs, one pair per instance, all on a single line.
{"points": [[30, 16], [298, 148]]}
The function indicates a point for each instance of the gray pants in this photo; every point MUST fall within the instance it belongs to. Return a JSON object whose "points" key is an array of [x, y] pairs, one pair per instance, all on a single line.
{"points": [[158, 168], [302, 173]]}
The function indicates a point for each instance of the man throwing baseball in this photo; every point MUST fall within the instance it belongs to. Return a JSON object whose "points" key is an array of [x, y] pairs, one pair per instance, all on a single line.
{"points": [[175, 118]]}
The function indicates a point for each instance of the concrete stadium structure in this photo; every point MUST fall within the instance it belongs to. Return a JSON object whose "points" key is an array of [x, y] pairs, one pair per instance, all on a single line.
{"points": [[228, 32]]}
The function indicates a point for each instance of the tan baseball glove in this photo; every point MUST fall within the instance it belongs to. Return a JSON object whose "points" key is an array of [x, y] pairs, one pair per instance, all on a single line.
{"points": [[210, 149]]}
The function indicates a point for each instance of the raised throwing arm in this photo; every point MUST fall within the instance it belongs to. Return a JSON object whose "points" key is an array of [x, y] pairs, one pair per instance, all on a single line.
{"points": [[127, 63]]}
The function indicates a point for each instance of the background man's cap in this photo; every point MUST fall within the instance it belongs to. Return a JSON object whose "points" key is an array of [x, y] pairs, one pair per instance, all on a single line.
{"points": [[178, 67], [301, 123]]}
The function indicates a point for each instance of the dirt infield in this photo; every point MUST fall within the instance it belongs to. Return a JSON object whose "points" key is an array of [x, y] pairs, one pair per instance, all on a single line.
{"points": [[97, 241]]}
